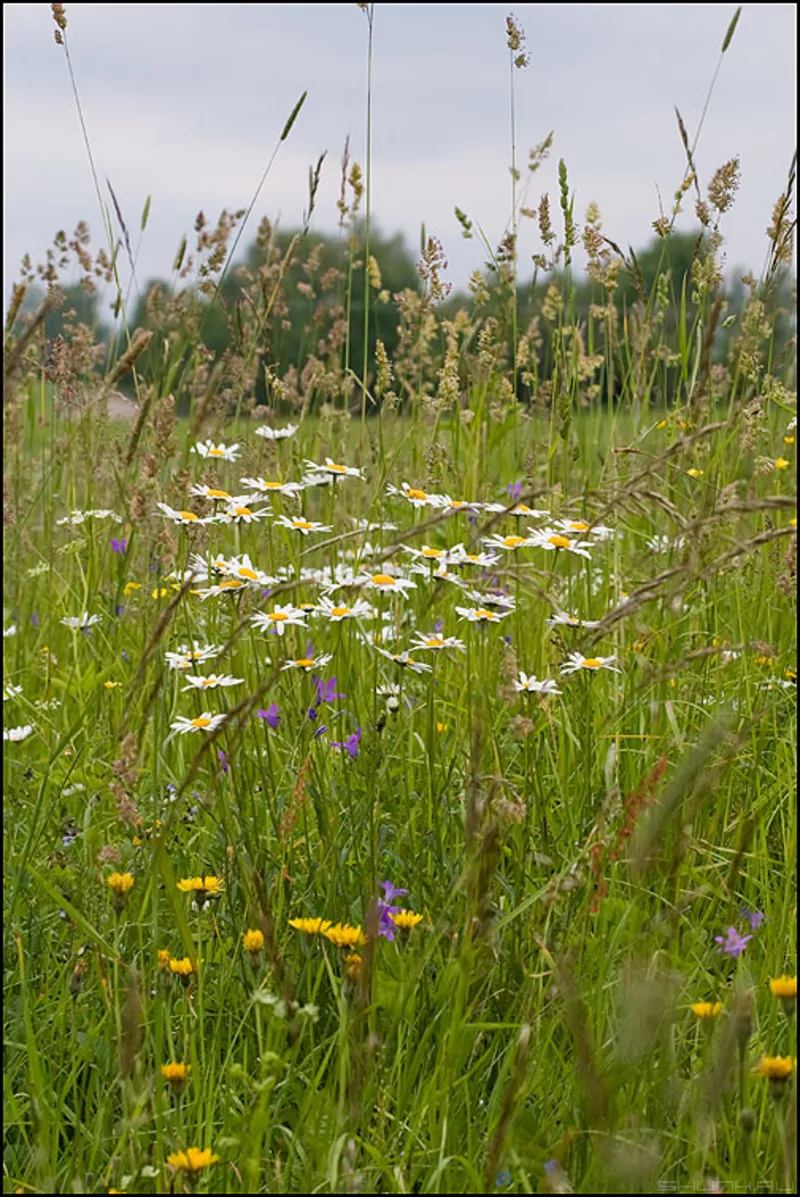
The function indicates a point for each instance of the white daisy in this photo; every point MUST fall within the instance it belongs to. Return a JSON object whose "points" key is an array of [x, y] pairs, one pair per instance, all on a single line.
{"points": [[205, 722], [551, 539], [302, 525], [226, 586], [11, 691], [183, 657], [576, 662], [10, 631], [211, 682], [664, 544], [405, 660], [492, 598], [532, 686], [416, 497], [15, 734], [240, 513], [243, 569], [452, 505], [436, 642], [508, 543], [388, 583], [209, 449], [335, 470], [429, 553], [460, 556], [279, 618], [182, 517], [203, 566], [367, 526], [268, 488], [481, 614], [211, 492], [360, 609], [308, 663], [79, 622], [276, 434], [560, 618]]}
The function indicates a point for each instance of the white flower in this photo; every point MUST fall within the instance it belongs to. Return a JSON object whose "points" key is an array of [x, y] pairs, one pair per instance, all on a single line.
{"points": [[15, 734], [532, 686], [279, 618], [211, 682], [460, 556], [243, 569], [183, 657], [560, 618], [276, 434], [436, 642], [211, 492], [182, 517], [452, 505], [240, 513], [203, 566], [11, 691], [416, 497], [663, 544], [205, 722], [268, 488], [507, 543], [387, 583], [301, 525], [552, 539], [10, 631], [308, 663], [481, 614], [366, 526], [790, 427], [335, 470], [75, 518], [359, 610], [226, 586], [492, 598], [429, 553], [77, 622], [576, 662], [209, 449], [405, 660]]}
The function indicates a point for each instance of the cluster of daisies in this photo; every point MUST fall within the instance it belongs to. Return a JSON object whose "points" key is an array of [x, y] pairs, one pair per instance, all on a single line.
{"points": [[364, 572]]}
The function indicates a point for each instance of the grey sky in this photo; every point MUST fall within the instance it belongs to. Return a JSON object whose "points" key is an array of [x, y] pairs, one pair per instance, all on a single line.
{"points": [[185, 103]]}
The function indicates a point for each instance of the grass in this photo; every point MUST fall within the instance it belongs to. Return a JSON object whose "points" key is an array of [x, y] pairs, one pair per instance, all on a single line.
{"points": [[573, 854]]}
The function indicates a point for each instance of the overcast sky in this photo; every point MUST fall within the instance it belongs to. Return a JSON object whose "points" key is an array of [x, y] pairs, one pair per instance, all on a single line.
{"points": [[185, 103]]}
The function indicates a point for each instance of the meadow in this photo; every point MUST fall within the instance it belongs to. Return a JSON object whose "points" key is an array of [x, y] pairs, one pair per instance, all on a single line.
{"points": [[399, 772]]}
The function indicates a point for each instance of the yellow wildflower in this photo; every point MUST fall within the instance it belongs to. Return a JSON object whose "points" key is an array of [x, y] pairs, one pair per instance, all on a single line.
{"points": [[342, 935], [120, 883], [775, 1068], [192, 1160], [253, 941], [404, 920], [784, 988], [311, 926], [175, 1074], [706, 1009]]}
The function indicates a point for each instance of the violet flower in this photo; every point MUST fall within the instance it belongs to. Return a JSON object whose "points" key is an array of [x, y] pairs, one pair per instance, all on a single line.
{"points": [[391, 891], [319, 731], [386, 927], [271, 715], [119, 546], [732, 944], [350, 745], [223, 760], [514, 490], [754, 917], [326, 691]]}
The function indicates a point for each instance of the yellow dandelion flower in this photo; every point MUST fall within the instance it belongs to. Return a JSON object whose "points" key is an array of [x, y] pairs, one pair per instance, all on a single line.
{"points": [[175, 1074], [404, 920], [160, 592], [775, 1068], [111, 685], [342, 935], [182, 968], [129, 588], [192, 1160], [120, 883], [203, 887], [784, 988], [695, 473], [706, 1009], [353, 965], [311, 926], [163, 958], [781, 463], [253, 941], [788, 440]]}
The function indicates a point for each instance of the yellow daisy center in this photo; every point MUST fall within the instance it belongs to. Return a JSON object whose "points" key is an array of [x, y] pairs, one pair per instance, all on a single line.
{"points": [[215, 453], [482, 613], [591, 663], [340, 611], [230, 584], [187, 515], [201, 721], [382, 580], [579, 526], [434, 642], [302, 524], [559, 542], [416, 494], [242, 511], [217, 494], [244, 572], [431, 552], [277, 616], [339, 469], [511, 542], [305, 662]]}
